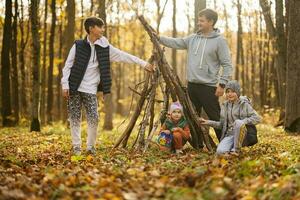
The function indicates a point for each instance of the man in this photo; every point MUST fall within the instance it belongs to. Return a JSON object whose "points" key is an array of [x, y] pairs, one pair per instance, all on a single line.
{"points": [[86, 71], [207, 53]]}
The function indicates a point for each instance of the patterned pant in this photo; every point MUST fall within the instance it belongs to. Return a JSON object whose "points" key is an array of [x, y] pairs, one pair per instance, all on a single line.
{"points": [[89, 101]]}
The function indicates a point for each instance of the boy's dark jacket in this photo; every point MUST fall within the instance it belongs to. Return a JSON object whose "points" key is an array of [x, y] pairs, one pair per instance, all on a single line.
{"points": [[82, 56]]}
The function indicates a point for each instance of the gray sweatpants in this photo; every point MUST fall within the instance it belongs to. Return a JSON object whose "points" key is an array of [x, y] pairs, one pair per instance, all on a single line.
{"points": [[89, 101], [234, 141]]}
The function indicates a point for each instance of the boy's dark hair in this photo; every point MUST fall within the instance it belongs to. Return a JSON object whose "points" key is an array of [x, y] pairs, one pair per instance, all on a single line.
{"points": [[210, 14], [91, 22]]}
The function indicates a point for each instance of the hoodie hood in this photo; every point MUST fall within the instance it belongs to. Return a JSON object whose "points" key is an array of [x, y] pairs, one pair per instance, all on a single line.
{"points": [[244, 99], [213, 34]]}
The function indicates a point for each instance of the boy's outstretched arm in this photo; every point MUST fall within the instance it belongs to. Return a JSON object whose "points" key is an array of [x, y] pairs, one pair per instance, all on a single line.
{"points": [[214, 124], [117, 55]]}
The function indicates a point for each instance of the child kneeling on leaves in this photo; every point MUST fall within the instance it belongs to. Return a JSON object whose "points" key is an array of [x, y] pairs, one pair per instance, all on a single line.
{"points": [[237, 121], [175, 131]]}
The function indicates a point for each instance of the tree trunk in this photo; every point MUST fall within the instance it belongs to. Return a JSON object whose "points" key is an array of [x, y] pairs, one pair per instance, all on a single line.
{"points": [[5, 66], [252, 61], [51, 60], [60, 101], [277, 33], [82, 19], [240, 52], [44, 74], [92, 7], [108, 105], [68, 36], [198, 5], [35, 123], [159, 13], [118, 71], [14, 59], [292, 116], [174, 35], [70, 26], [23, 43]]}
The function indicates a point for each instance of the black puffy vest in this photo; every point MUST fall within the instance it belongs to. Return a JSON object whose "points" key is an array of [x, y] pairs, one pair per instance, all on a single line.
{"points": [[82, 57]]}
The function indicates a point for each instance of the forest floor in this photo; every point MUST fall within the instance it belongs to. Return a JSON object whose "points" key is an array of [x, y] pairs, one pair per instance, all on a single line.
{"points": [[39, 166]]}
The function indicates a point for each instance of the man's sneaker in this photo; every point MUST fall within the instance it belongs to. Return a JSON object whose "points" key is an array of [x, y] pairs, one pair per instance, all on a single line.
{"points": [[91, 151], [76, 151]]}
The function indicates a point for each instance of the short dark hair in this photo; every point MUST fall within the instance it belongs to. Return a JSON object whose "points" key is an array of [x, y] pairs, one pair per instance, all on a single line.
{"points": [[91, 22], [210, 14]]}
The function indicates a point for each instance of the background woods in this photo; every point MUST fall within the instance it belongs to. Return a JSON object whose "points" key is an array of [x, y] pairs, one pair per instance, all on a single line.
{"points": [[37, 35]]}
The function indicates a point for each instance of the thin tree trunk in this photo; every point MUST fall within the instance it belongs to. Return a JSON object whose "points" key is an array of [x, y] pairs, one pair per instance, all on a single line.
{"points": [[118, 71], [44, 74], [70, 26], [68, 36], [23, 43], [82, 18], [92, 7], [227, 30], [240, 52], [35, 123], [51, 60], [261, 58], [159, 13], [252, 61], [60, 65], [174, 35], [198, 5], [108, 105], [5, 66], [14, 58]]}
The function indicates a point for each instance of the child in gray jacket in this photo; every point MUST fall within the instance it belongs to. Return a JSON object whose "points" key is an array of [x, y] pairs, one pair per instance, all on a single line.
{"points": [[237, 121]]}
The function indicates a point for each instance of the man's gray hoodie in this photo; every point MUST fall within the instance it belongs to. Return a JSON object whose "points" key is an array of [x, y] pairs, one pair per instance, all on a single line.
{"points": [[242, 111], [206, 54]]}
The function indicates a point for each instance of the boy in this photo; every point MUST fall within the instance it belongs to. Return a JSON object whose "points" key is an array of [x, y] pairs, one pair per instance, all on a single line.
{"points": [[86, 71], [237, 121]]}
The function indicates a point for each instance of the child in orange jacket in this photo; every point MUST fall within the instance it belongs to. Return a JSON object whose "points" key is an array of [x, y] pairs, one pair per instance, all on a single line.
{"points": [[175, 131]]}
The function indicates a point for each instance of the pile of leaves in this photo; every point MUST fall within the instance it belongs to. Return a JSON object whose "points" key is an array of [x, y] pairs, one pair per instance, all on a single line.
{"points": [[40, 166]]}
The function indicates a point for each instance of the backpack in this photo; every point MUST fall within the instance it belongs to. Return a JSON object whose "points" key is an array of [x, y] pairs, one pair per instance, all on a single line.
{"points": [[165, 140]]}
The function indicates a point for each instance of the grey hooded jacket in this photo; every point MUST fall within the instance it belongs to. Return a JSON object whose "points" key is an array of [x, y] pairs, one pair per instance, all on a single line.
{"points": [[206, 55], [243, 112]]}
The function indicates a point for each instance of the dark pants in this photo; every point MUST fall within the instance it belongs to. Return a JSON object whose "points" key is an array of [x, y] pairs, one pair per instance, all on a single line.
{"points": [[203, 96]]}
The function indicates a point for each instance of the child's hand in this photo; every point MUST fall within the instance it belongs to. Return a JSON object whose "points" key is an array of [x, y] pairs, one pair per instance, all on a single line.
{"points": [[149, 67], [166, 131], [202, 121], [66, 93], [177, 129]]}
